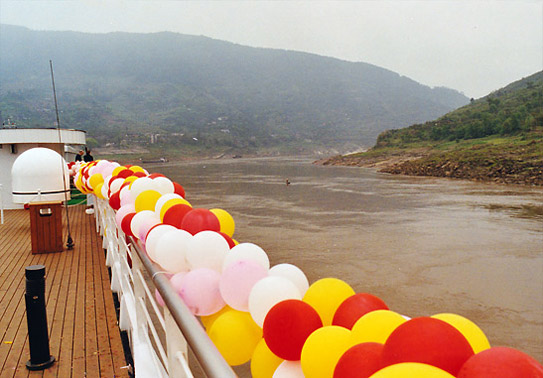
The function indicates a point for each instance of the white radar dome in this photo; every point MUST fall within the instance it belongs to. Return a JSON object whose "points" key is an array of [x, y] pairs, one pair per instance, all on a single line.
{"points": [[36, 176]]}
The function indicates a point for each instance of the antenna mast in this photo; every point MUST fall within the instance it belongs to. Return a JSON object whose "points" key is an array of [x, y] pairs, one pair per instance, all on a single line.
{"points": [[69, 243]]}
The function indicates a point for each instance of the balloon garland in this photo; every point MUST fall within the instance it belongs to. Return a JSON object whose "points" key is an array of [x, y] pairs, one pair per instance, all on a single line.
{"points": [[272, 317]]}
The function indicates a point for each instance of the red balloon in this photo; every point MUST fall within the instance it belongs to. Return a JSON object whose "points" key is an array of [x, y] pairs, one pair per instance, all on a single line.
{"points": [[501, 362], [228, 239], [354, 307], [125, 173], [124, 184], [198, 220], [429, 341], [360, 361], [174, 215], [115, 200], [155, 175], [178, 189], [287, 326], [125, 224], [139, 174]]}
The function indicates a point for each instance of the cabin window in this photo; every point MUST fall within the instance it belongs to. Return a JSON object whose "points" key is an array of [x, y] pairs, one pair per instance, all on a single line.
{"points": [[13, 148]]}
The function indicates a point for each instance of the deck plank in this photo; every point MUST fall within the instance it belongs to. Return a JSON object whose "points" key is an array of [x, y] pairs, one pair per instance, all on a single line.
{"points": [[84, 336]]}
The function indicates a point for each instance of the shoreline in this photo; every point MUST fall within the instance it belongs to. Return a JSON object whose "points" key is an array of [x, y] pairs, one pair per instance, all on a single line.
{"points": [[424, 163]]}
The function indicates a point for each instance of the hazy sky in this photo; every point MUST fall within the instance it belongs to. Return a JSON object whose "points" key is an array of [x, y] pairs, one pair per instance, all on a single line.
{"points": [[472, 46]]}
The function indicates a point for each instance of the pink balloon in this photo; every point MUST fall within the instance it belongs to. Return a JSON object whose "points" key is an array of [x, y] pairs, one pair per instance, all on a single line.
{"points": [[176, 281], [159, 299], [201, 293], [237, 280], [146, 225], [122, 212]]}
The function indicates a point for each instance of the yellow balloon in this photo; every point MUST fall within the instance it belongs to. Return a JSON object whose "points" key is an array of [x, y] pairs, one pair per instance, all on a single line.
{"points": [[130, 179], [264, 362], [475, 336], [376, 326], [146, 200], [96, 179], [170, 203], [411, 370], [235, 334], [225, 220], [137, 168], [325, 296], [323, 349], [79, 183], [98, 190], [208, 320]]}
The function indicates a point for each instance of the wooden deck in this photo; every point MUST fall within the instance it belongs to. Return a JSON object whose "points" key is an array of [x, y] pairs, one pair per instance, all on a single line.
{"points": [[82, 323]]}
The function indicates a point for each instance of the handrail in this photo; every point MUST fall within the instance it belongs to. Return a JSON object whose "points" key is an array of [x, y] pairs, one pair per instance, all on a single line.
{"points": [[207, 354], [181, 327]]}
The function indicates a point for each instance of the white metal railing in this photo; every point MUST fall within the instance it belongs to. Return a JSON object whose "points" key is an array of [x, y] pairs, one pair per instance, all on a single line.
{"points": [[159, 337]]}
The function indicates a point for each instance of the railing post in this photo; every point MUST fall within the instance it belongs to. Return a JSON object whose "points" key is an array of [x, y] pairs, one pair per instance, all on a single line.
{"points": [[139, 291], [175, 342], [36, 316]]}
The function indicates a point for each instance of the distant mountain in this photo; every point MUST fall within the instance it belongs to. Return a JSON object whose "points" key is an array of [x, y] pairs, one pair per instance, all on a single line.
{"points": [[183, 86], [497, 138], [515, 108]]}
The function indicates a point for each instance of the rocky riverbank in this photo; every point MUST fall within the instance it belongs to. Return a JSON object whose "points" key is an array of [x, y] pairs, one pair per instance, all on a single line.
{"points": [[516, 163]]}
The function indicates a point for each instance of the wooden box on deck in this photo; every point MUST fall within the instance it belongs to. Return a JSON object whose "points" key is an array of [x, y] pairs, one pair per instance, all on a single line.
{"points": [[46, 226]]}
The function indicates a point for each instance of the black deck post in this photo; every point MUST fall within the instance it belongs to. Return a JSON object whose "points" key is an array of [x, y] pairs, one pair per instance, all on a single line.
{"points": [[36, 316]]}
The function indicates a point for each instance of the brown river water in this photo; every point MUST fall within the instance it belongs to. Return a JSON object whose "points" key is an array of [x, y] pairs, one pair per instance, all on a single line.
{"points": [[423, 245]]}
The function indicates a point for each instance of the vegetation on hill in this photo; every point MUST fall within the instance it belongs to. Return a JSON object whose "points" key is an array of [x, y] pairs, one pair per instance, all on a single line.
{"points": [[174, 90], [497, 138]]}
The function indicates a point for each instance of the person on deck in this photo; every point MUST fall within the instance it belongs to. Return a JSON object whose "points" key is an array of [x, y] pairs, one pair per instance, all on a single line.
{"points": [[88, 157], [90, 199], [79, 156]]}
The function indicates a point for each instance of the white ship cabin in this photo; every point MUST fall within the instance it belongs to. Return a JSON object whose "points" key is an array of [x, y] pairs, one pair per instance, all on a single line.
{"points": [[13, 142]]}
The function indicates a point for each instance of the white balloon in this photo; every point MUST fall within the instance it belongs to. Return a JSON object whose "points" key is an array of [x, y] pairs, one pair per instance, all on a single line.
{"points": [[153, 236], [171, 249], [267, 292], [207, 249], [108, 169], [103, 189], [247, 251], [293, 273], [163, 185], [126, 196], [289, 369], [138, 220], [140, 185], [163, 199], [116, 185]]}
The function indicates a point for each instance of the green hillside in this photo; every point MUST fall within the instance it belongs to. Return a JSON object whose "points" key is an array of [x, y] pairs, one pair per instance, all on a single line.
{"points": [[123, 87], [496, 138]]}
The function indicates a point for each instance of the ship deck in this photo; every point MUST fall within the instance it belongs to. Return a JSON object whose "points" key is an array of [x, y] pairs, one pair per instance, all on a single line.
{"points": [[83, 334]]}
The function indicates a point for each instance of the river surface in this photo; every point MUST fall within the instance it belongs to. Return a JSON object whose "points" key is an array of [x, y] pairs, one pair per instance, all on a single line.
{"points": [[423, 245]]}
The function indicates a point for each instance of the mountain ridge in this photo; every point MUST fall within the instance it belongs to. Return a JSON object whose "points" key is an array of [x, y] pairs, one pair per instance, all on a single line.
{"points": [[118, 83]]}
